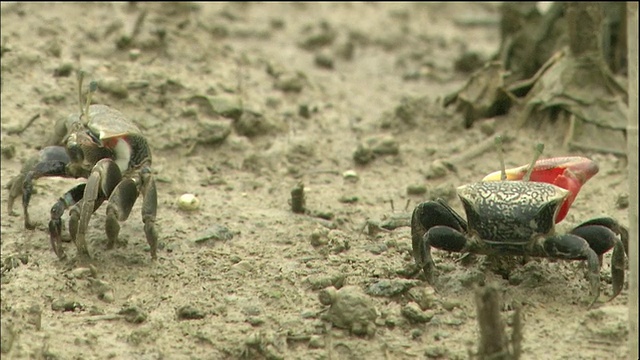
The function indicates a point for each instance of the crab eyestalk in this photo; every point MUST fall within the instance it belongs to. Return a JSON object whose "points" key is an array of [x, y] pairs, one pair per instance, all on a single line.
{"points": [[538, 149], [84, 108], [80, 77], [503, 169]]}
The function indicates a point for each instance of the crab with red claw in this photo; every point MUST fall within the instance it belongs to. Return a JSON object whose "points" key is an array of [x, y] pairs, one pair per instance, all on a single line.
{"points": [[103, 146], [514, 212]]}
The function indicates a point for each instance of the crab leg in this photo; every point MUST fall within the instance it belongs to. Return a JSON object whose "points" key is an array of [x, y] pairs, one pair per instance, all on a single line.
{"points": [[70, 198], [601, 235], [572, 247], [434, 223], [120, 203], [103, 179], [149, 208]]}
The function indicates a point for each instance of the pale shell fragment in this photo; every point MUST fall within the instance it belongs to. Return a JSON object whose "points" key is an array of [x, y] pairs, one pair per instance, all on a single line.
{"points": [[188, 202]]}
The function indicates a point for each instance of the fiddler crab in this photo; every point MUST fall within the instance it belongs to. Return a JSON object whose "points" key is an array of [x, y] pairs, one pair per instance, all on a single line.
{"points": [[514, 212], [103, 146]]}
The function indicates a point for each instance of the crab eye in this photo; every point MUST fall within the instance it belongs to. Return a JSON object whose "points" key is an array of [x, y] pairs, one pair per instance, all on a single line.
{"points": [[94, 138]]}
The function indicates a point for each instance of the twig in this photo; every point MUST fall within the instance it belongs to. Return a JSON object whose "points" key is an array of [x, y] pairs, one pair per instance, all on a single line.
{"points": [[493, 340], [108, 317], [440, 167], [20, 130], [477, 150], [598, 149], [297, 199]]}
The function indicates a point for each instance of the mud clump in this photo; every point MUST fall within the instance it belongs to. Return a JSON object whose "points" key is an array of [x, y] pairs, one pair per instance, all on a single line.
{"points": [[350, 309]]}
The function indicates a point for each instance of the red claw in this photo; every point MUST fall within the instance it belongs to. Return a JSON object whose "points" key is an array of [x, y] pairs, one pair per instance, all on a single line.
{"points": [[569, 173]]}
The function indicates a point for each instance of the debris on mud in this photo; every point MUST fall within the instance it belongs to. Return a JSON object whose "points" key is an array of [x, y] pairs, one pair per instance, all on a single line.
{"points": [[133, 314], [63, 304], [415, 314], [391, 287], [189, 312], [188, 202], [607, 323], [319, 282], [214, 232], [555, 66], [350, 309], [298, 200]]}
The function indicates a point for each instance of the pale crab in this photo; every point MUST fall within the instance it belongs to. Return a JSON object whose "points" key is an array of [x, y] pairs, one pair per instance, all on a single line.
{"points": [[103, 146]]}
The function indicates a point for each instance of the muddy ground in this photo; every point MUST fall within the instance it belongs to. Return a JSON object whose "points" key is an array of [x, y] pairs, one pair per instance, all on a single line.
{"points": [[241, 103]]}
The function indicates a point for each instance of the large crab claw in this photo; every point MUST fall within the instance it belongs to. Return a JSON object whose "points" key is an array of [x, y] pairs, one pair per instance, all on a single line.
{"points": [[569, 173]]}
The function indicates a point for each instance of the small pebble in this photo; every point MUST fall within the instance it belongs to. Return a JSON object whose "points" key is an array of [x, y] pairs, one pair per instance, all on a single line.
{"points": [[416, 190], [413, 313], [133, 314], [189, 312], [188, 202], [622, 201], [316, 342], [350, 175]]}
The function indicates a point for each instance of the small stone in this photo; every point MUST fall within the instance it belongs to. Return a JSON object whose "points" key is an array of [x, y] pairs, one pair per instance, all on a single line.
{"points": [[323, 281], [350, 175], [324, 61], [63, 70], [255, 320], [363, 155], [319, 37], [133, 314], [213, 132], [348, 199], [215, 233], [377, 249], [229, 107], [488, 127], [253, 123], [81, 273], [436, 352], [413, 313], [449, 305], [316, 342], [107, 296], [65, 305], [437, 169], [425, 297], [328, 296], [291, 82], [416, 190], [319, 237], [134, 54], [350, 309], [103, 289], [189, 312], [622, 201], [188, 202], [114, 87], [8, 152], [385, 145]]}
